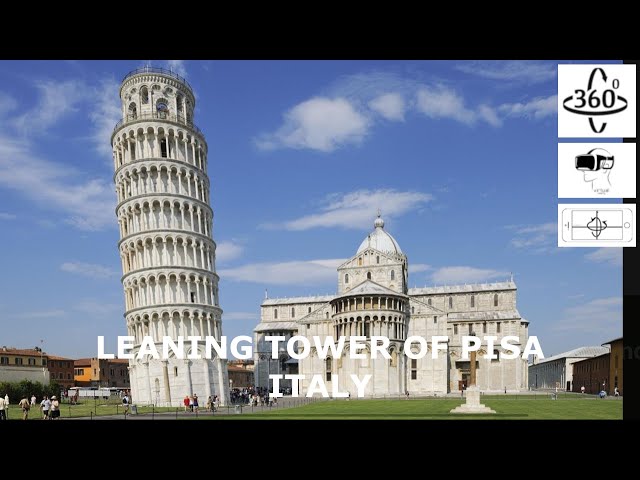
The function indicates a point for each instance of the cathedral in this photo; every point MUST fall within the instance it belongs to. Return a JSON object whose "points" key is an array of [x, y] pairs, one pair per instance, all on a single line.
{"points": [[373, 298]]}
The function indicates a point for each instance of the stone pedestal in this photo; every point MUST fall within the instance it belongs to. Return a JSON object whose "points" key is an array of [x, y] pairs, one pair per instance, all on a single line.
{"points": [[472, 404]]}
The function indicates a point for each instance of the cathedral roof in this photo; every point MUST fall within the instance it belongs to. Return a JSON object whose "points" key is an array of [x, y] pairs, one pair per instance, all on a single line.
{"points": [[476, 287], [275, 326], [369, 287], [380, 240]]}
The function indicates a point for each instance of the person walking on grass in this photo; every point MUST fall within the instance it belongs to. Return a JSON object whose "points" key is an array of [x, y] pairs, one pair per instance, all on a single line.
{"points": [[125, 404], [25, 406], [3, 413], [54, 411], [45, 406]]}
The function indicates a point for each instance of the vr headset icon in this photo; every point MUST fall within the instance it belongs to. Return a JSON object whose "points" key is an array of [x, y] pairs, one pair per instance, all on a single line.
{"points": [[595, 160]]}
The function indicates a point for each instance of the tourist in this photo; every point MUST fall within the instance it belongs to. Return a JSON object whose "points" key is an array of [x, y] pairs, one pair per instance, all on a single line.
{"points": [[407, 394], [216, 402], [191, 403], [6, 404], [45, 406], [616, 393], [33, 400], [3, 415], [582, 389], [55, 408], [125, 404], [25, 406], [209, 404], [195, 403], [186, 402]]}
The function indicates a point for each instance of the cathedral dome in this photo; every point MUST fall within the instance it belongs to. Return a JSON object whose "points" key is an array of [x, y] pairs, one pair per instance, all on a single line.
{"points": [[380, 240]]}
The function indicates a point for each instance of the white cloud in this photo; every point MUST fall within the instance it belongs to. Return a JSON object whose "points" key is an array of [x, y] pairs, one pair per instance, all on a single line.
{"points": [[104, 114], [57, 99], [419, 267], [442, 102], [301, 273], [514, 70], [357, 209], [537, 108], [90, 270], [240, 316], [87, 203], [319, 123], [602, 315], [390, 105], [7, 216], [463, 274], [489, 115], [227, 251], [607, 255], [536, 238], [177, 66]]}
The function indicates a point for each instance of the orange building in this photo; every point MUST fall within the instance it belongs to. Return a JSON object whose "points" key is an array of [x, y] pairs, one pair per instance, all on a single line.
{"points": [[94, 372]]}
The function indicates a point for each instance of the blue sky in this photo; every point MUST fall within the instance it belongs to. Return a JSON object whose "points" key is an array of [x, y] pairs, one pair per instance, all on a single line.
{"points": [[459, 156]]}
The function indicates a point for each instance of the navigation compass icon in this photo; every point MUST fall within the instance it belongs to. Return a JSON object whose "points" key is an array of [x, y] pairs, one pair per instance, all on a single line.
{"points": [[597, 226]]}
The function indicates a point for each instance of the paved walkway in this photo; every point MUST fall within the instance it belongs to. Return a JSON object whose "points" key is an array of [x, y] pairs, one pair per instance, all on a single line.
{"points": [[180, 414]]}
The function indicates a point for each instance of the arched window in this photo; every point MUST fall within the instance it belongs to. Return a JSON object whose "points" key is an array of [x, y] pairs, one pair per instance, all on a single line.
{"points": [[450, 302], [359, 261], [377, 258], [162, 108], [413, 309], [393, 274], [326, 314], [429, 302], [495, 300], [133, 111], [473, 301], [144, 95], [275, 313], [484, 327], [309, 310], [179, 105], [368, 275], [496, 353], [346, 278], [293, 312], [328, 369], [163, 147]]}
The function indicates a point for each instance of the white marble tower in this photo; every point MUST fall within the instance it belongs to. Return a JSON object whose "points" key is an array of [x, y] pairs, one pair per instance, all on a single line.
{"points": [[166, 239]]}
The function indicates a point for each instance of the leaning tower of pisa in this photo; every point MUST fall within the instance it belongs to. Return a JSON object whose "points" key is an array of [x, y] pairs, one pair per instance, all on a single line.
{"points": [[166, 237]]}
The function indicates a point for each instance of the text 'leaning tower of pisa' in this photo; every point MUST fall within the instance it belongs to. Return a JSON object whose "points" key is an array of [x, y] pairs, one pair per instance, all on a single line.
{"points": [[166, 240]]}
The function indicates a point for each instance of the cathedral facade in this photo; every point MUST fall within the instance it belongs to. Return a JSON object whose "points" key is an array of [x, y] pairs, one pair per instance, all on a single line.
{"points": [[373, 299]]}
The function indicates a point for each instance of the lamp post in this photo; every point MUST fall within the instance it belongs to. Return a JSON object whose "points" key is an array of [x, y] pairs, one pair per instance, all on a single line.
{"points": [[44, 372]]}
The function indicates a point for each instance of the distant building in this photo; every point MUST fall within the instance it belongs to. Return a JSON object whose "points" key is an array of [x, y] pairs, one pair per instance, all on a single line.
{"points": [[118, 373], [61, 370], [23, 364], [592, 373], [557, 371], [239, 375], [94, 372], [246, 364], [615, 365]]}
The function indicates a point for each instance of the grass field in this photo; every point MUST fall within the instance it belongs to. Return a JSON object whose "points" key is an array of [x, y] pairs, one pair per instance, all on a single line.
{"points": [[521, 408], [86, 408]]}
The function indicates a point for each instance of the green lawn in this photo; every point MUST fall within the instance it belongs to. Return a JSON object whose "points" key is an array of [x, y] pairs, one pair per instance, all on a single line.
{"points": [[87, 408], [519, 407]]}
